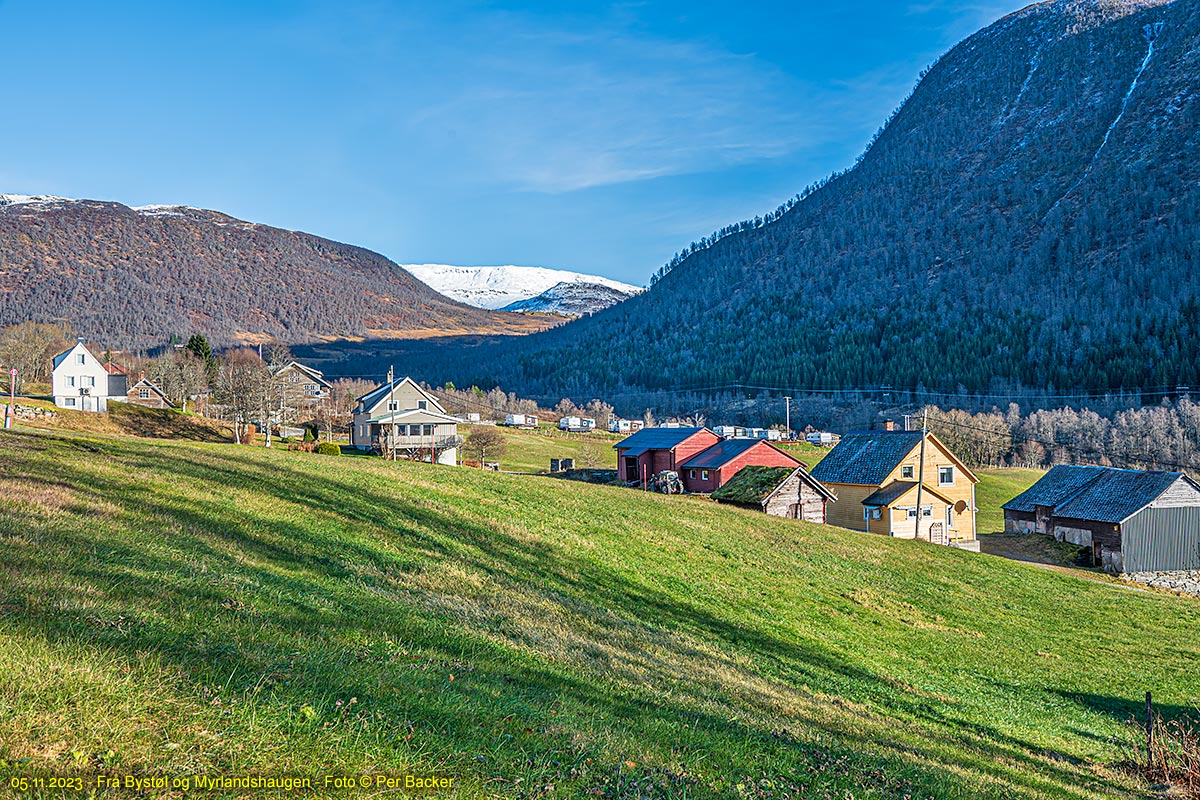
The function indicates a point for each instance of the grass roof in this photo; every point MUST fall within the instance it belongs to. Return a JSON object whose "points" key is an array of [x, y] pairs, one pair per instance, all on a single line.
{"points": [[752, 485]]}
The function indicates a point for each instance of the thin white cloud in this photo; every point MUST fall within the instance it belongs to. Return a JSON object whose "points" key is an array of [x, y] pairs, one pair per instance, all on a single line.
{"points": [[555, 110]]}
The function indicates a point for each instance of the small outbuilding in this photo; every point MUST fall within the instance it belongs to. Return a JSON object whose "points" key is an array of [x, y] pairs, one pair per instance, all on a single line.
{"points": [[1133, 521], [146, 393], [779, 491]]}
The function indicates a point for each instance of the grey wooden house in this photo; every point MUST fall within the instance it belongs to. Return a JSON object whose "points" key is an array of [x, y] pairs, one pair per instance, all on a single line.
{"points": [[1133, 520]]}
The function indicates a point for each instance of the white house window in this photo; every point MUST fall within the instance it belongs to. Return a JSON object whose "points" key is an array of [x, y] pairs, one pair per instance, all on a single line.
{"points": [[89, 380], [703, 474], [926, 511], [70, 401], [144, 394], [906, 471], [310, 388], [80, 358], [945, 476], [421, 404], [692, 474], [427, 430], [70, 380], [393, 406], [872, 513], [949, 516]]}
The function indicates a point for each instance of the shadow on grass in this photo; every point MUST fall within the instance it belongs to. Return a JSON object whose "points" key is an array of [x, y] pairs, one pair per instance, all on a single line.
{"points": [[159, 423], [277, 591]]}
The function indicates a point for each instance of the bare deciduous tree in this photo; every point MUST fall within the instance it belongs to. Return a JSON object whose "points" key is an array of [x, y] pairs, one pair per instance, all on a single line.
{"points": [[31, 347], [242, 381], [482, 441]]}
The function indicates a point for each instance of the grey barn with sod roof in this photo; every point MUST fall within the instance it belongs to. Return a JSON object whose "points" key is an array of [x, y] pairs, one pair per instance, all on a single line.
{"points": [[1133, 521], [778, 491]]}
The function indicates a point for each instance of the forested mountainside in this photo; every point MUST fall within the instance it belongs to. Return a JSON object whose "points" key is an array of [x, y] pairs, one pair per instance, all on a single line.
{"points": [[132, 278], [1029, 216]]}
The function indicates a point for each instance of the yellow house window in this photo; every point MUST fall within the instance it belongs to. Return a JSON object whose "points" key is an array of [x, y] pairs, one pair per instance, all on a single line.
{"points": [[906, 471]]}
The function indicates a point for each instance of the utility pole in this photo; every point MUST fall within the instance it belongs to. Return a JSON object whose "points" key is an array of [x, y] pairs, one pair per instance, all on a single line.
{"points": [[787, 415], [12, 399], [921, 469]]}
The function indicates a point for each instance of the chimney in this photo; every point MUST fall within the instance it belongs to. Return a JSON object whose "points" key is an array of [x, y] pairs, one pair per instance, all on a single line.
{"points": [[889, 425]]}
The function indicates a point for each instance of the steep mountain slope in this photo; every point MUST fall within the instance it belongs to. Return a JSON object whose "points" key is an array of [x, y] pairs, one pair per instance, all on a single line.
{"points": [[1028, 217], [572, 299], [498, 287], [131, 277]]}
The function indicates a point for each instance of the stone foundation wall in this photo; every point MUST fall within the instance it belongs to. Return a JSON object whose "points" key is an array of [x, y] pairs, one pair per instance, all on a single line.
{"points": [[1184, 581]]}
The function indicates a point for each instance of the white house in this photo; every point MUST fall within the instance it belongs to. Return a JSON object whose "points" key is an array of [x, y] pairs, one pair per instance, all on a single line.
{"points": [[401, 420], [83, 383]]}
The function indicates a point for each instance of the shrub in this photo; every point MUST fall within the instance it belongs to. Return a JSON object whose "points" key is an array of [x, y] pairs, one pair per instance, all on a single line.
{"points": [[328, 449]]}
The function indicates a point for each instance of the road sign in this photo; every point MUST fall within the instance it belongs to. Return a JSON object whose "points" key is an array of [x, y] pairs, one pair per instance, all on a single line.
{"points": [[13, 372]]}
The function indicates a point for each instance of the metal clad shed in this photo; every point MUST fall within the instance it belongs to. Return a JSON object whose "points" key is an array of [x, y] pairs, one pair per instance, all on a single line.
{"points": [[1162, 540]]}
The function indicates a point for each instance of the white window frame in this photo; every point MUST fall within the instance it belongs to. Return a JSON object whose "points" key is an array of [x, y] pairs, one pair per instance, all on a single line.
{"points": [[952, 476], [703, 474], [70, 401], [89, 381], [908, 471], [80, 358], [71, 381], [949, 517], [143, 394], [692, 474]]}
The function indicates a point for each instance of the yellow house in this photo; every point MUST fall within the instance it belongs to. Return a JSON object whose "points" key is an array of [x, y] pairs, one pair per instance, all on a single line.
{"points": [[878, 476]]}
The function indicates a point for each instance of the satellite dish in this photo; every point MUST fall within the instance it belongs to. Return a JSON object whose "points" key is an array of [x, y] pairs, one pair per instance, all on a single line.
{"points": [[960, 506]]}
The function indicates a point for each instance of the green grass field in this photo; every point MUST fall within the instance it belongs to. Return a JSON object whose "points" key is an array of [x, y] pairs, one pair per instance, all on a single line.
{"points": [[995, 488], [177, 608], [531, 450]]}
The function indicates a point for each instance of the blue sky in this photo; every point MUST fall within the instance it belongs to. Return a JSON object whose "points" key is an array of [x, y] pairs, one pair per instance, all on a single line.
{"points": [[600, 137]]}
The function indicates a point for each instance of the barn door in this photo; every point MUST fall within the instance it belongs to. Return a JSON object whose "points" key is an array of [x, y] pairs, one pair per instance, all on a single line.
{"points": [[631, 469], [1042, 521]]}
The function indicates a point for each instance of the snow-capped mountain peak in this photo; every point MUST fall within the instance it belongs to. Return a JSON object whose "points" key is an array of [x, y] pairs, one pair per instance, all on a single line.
{"points": [[497, 287]]}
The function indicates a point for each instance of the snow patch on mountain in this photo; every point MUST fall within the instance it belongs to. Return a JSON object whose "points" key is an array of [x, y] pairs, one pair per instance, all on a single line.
{"points": [[31, 200], [498, 287], [572, 299]]}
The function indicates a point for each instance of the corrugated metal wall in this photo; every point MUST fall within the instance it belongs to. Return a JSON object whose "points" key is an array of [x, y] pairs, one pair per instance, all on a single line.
{"points": [[1162, 540]]}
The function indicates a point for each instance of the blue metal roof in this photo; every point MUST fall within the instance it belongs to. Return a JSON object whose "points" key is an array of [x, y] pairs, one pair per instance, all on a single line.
{"points": [[1117, 495], [1055, 487], [1097, 494], [866, 458], [656, 439], [721, 453]]}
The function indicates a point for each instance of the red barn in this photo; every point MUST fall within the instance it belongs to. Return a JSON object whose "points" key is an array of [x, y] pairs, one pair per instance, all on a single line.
{"points": [[711, 469], [653, 450]]}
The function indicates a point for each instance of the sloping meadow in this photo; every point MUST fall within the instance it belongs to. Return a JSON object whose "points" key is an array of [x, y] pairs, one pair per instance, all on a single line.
{"points": [[179, 609]]}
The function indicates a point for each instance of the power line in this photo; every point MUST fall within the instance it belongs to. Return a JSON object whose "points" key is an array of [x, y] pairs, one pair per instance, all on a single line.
{"points": [[1076, 448]]}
